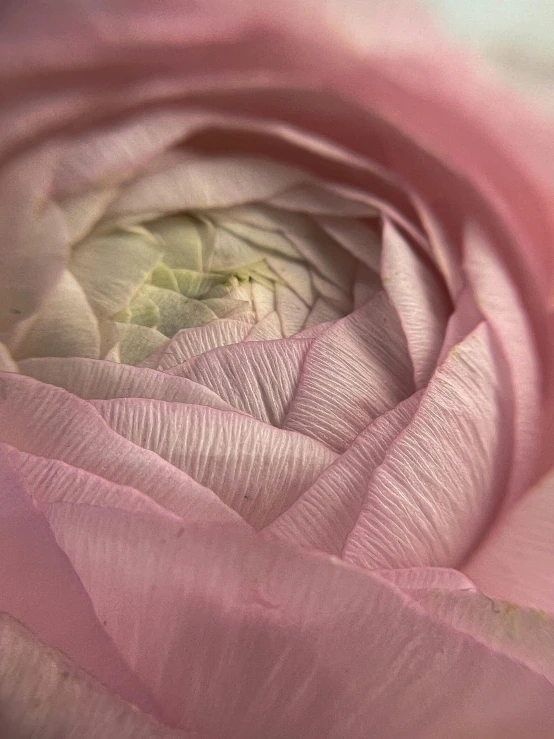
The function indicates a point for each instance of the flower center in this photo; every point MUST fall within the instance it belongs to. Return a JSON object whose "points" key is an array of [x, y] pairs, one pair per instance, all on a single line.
{"points": [[246, 239]]}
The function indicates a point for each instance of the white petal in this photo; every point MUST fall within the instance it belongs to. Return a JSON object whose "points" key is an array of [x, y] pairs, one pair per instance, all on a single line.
{"points": [[111, 266], [292, 311], [208, 182], [263, 299], [65, 326]]}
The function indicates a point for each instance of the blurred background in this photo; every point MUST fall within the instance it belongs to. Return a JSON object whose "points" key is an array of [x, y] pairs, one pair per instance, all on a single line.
{"points": [[515, 36]]}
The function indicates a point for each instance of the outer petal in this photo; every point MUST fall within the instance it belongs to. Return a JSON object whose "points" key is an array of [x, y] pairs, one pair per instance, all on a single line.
{"points": [[522, 633], [43, 694], [280, 643], [39, 587], [516, 560]]}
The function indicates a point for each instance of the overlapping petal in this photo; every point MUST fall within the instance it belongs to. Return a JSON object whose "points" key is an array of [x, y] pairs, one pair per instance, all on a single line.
{"points": [[515, 561], [43, 693], [294, 124], [39, 586], [49, 422], [442, 478], [259, 477], [275, 660], [259, 378]]}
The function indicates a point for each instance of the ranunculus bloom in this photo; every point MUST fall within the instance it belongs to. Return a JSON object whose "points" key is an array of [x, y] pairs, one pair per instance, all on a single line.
{"points": [[276, 414]]}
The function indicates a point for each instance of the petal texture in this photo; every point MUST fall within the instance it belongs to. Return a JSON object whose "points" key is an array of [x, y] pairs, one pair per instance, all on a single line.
{"points": [[441, 478], [38, 585], [257, 377], [326, 513], [355, 371], [99, 380], [43, 694], [60, 426], [259, 477], [516, 560], [273, 658]]}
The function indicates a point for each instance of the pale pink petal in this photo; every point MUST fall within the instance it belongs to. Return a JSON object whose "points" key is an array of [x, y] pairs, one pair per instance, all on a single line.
{"points": [[292, 311], [355, 371], [320, 200], [445, 255], [92, 379], [190, 342], [516, 560], [242, 638], [428, 578], [7, 362], [34, 236], [367, 284], [523, 634], [238, 241], [39, 587], [295, 275], [257, 377], [111, 154], [315, 330], [280, 229], [465, 319], [356, 236], [420, 299], [230, 251], [197, 184], [49, 422], [316, 247], [440, 481], [325, 514], [259, 477], [332, 294], [321, 312], [505, 311], [64, 326], [43, 693], [83, 211], [269, 327], [300, 146]]}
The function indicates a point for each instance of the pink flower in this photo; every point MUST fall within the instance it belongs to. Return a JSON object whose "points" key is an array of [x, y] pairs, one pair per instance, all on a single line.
{"points": [[276, 410]]}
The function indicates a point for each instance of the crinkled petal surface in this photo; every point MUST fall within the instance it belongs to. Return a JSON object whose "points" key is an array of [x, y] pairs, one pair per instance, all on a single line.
{"points": [[441, 478], [42, 693], [230, 633], [516, 560], [38, 585], [270, 634], [49, 422]]}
